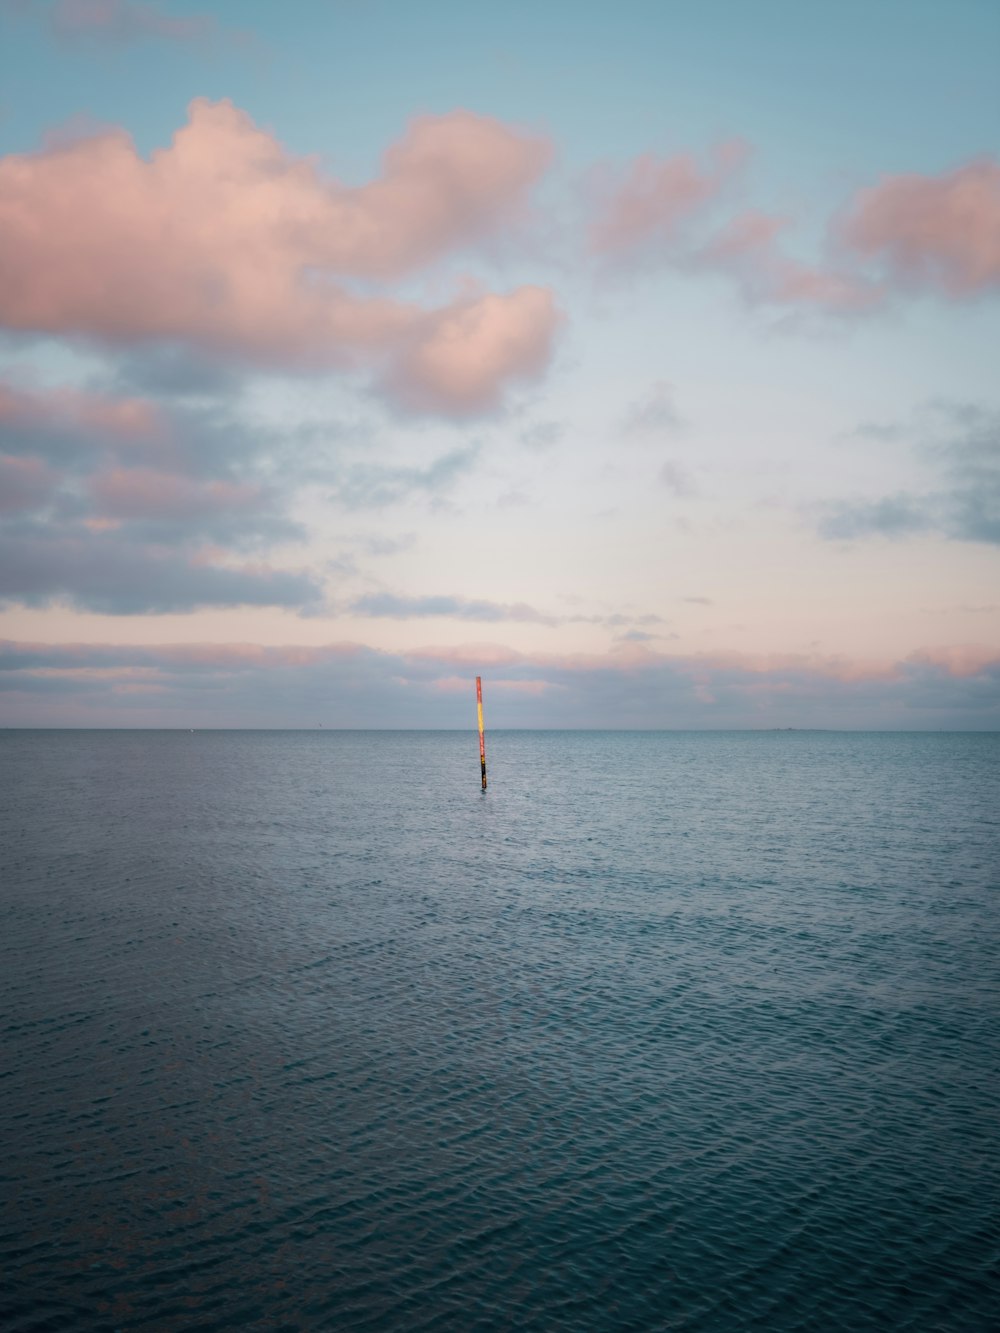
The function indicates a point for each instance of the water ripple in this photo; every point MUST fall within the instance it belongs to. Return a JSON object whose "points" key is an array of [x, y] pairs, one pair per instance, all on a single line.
{"points": [[688, 1032]]}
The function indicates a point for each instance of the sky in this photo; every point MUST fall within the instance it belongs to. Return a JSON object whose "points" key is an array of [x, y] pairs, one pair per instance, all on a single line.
{"points": [[641, 358]]}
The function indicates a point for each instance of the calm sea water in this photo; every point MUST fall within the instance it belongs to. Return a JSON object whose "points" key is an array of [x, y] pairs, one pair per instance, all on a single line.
{"points": [[301, 1030]]}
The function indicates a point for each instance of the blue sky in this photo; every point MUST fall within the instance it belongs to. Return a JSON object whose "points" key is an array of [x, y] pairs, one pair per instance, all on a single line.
{"points": [[640, 358]]}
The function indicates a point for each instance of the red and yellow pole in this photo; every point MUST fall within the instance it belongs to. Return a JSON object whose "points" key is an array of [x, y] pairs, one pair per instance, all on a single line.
{"points": [[482, 734]]}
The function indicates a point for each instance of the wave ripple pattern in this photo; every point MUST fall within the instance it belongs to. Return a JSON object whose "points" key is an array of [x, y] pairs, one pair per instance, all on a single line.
{"points": [[664, 1031]]}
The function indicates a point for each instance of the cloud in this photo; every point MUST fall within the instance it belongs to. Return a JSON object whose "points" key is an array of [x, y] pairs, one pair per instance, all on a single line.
{"points": [[121, 26], [25, 484], [938, 232], [374, 485], [125, 21], [174, 371], [226, 242], [639, 212], [457, 608], [654, 413], [123, 506], [637, 636], [378, 545], [461, 358], [662, 210], [223, 182], [140, 493], [961, 442], [543, 434], [909, 232], [131, 458], [748, 249], [960, 661], [56, 413], [354, 686], [891, 516], [104, 572], [678, 480], [462, 608], [971, 464]]}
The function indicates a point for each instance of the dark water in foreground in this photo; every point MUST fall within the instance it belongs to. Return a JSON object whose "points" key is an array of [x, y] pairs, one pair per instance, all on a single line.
{"points": [[668, 1031]]}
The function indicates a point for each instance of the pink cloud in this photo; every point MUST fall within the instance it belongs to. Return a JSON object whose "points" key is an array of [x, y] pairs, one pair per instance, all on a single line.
{"points": [[749, 249], [124, 20], [748, 234], [534, 688], [775, 664], [125, 508], [460, 685], [647, 204], [960, 660], [633, 657], [448, 181], [137, 493], [246, 656], [461, 357], [226, 240], [957, 662], [647, 212], [77, 409], [451, 685], [221, 656], [344, 684], [467, 655], [25, 484], [940, 231]]}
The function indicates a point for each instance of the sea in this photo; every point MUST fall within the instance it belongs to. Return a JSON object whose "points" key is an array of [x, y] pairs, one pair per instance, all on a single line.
{"points": [[671, 1030]]}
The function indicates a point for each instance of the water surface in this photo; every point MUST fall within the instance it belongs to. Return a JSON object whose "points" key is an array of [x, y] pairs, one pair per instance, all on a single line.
{"points": [[665, 1031]]}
